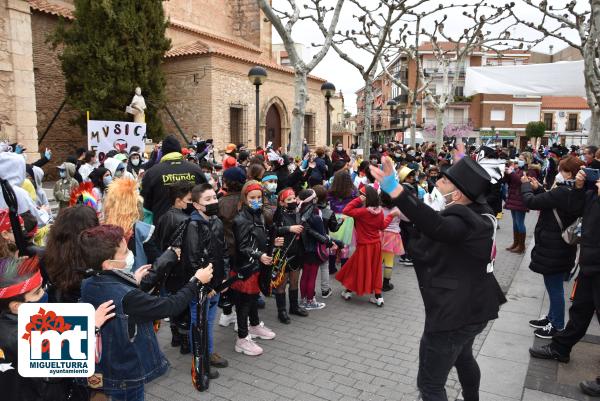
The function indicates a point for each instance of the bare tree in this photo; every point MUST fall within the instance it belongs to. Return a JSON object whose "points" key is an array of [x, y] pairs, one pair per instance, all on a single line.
{"points": [[451, 53], [556, 22], [284, 22]]}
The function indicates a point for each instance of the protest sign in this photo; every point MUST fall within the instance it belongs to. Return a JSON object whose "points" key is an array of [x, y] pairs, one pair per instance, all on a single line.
{"points": [[104, 136]]}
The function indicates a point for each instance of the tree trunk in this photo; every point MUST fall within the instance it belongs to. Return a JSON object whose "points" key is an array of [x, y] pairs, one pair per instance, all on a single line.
{"points": [[594, 133], [413, 126], [368, 111], [300, 94], [439, 128]]}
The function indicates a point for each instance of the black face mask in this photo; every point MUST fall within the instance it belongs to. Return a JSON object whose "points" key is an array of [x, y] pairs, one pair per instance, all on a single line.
{"points": [[212, 209], [189, 208], [291, 206]]}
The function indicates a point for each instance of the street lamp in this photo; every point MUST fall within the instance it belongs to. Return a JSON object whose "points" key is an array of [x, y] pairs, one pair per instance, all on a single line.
{"points": [[257, 76], [328, 90]]}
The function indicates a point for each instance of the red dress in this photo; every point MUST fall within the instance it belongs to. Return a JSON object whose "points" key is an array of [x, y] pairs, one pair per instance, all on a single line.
{"points": [[362, 274]]}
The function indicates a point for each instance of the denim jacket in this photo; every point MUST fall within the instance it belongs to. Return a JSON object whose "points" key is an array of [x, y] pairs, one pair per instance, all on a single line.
{"points": [[126, 361]]}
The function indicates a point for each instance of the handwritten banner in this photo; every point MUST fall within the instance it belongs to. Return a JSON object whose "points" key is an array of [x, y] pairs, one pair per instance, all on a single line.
{"points": [[104, 136]]}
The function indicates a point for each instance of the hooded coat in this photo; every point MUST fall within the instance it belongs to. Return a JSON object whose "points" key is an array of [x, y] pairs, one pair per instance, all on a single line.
{"points": [[12, 169], [64, 186], [38, 176]]}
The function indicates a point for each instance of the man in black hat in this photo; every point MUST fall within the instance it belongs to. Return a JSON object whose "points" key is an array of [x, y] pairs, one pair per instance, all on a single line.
{"points": [[452, 256], [172, 168]]}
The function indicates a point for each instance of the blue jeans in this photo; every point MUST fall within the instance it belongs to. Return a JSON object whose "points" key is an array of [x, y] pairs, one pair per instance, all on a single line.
{"points": [[131, 394], [556, 293], [211, 312], [518, 218]]}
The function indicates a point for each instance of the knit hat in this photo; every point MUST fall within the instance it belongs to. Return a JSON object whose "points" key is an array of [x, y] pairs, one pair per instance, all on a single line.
{"points": [[170, 144], [235, 174]]}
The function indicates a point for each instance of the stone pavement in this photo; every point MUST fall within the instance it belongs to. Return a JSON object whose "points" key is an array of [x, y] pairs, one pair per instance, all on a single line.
{"points": [[351, 350]]}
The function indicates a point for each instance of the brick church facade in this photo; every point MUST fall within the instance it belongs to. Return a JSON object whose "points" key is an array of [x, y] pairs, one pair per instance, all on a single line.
{"points": [[214, 45]]}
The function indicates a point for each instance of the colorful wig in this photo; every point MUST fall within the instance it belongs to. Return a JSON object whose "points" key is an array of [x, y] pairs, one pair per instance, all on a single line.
{"points": [[122, 205], [84, 195]]}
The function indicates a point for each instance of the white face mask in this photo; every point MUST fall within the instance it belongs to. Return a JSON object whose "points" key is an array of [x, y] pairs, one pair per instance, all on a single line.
{"points": [[129, 261], [271, 187], [135, 162], [339, 148], [445, 198]]}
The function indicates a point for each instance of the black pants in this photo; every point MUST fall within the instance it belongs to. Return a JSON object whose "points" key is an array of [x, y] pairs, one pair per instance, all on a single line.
{"points": [[581, 312], [246, 306], [439, 352]]}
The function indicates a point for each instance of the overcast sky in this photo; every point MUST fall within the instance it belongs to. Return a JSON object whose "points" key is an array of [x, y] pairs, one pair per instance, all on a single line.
{"points": [[347, 78]]}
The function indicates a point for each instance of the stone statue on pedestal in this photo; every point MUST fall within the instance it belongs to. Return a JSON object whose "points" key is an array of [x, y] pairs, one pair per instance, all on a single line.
{"points": [[137, 107]]}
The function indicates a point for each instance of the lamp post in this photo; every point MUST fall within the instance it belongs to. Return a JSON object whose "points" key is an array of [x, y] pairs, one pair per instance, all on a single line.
{"points": [[257, 76], [328, 90]]}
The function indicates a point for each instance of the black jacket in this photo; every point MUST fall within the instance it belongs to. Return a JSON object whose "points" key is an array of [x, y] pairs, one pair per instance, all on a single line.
{"points": [[251, 237], [587, 204], [204, 242], [161, 273], [156, 182], [450, 251], [551, 254], [167, 225]]}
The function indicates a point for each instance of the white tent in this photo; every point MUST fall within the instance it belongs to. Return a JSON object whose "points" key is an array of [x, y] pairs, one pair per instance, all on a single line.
{"points": [[563, 78]]}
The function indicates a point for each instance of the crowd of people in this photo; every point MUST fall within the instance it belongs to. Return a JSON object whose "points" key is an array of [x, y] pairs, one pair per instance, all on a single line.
{"points": [[137, 233]]}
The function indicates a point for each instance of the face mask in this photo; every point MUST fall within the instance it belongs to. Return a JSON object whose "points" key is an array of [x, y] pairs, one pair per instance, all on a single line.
{"points": [[560, 179], [212, 209], [62, 174], [380, 149], [208, 176], [271, 187], [521, 163], [189, 208], [291, 167], [135, 162], [43, 299], [129, 260], [445, 198], [398, 155], [107, 180], [339, 148], [255, 204], [291, 205]]}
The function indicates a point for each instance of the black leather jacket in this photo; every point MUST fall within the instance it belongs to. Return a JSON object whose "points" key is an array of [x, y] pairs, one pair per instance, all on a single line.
{"points": [[251, 236], [204, 242]]}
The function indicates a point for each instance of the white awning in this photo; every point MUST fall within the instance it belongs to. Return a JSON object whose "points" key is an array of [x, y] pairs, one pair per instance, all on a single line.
{"points": [[564, 78]]}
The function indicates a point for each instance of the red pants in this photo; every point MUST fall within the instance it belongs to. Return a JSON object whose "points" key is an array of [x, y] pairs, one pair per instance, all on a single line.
{"points": [[308, 280]]}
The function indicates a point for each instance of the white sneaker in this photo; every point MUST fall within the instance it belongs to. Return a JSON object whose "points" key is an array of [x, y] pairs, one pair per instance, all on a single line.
{"points": [[314, 305], [346, 294], [226, 320], [261, 331], [247, 346], [376, 301]]}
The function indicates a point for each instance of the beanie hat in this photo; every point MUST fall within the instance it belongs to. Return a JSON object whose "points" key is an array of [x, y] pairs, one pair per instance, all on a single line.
{"points": [[235, 174], [170, 144]]}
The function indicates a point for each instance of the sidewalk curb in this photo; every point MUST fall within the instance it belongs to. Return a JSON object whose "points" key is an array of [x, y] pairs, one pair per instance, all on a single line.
{"points": [[504, 355]]}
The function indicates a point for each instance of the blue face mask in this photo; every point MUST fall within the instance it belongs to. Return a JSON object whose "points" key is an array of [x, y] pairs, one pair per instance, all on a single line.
{"points": [[521, 163], [255, 204]]}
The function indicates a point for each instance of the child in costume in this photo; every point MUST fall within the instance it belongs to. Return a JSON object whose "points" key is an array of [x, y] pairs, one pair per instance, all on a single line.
{"points": [[362, 272], [391, 241]]}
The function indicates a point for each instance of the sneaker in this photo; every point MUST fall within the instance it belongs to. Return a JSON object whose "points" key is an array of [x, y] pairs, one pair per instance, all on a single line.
{"points": [[540, 323], [314, 305], [226, 320], [326, 293], [217, 361], [547, 351], [247, 346], [303, 303], [406, 261], [546, 332], [346, 294], [261, 331], [376, 301]]}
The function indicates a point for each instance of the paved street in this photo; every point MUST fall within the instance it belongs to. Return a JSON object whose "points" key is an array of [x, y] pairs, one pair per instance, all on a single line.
{"points": [[347, 351]]}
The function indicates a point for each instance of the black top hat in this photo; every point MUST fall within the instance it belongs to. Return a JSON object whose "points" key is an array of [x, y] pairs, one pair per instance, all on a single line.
{"points": [[470, 178]]}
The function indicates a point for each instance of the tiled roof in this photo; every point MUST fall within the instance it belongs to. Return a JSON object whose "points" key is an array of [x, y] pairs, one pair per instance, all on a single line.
{"points": [[564, 103], [199, 48], [50, 7], [180, 25]]}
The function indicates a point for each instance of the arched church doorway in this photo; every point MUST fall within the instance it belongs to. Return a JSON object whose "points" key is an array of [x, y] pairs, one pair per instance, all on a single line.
{"points": [[273, 131]]}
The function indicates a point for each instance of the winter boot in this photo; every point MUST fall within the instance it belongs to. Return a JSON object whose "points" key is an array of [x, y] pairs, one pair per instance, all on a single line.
{"points": [[282, 314], [295, 309], [515, 242], [387, 286], [520, 248]]}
